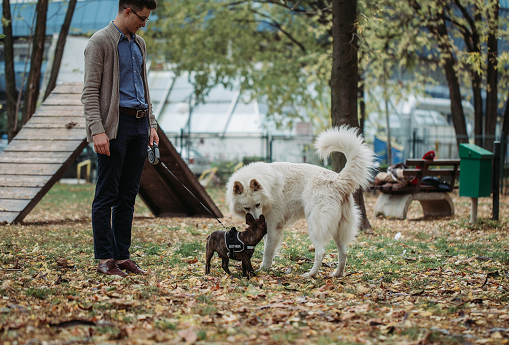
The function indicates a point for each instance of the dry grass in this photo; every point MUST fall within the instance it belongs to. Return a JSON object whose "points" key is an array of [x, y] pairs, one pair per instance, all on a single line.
{"points": [[444, 281]]}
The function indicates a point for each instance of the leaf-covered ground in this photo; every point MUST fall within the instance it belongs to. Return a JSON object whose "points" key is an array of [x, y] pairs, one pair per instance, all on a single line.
{"points": [[418, 281]]}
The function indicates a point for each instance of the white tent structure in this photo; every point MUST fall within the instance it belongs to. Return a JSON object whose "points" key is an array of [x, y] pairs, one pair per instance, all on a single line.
{"points": [[227, 125], [419, 124]]}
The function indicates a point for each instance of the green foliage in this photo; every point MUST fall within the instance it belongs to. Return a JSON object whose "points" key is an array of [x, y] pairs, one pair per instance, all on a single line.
{"points": [[224, 170], [278, 53], [3, 122], [190, 249], [398, 36], [201, 334], [248, 160], [165, 325], [153, 249], [40, 293]]}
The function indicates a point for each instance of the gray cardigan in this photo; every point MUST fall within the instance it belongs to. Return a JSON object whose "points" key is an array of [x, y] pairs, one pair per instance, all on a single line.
{"points": [[101, 95]]}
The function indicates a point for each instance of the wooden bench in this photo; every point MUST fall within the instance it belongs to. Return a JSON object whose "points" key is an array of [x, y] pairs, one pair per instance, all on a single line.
{"points": [[394, 202]]}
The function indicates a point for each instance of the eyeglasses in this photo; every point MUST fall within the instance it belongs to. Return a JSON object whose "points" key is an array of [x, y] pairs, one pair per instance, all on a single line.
{"points": [[146, 20]]}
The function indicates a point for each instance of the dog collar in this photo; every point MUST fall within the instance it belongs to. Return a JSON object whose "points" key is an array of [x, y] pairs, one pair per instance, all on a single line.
{"points": [[233, 242]]}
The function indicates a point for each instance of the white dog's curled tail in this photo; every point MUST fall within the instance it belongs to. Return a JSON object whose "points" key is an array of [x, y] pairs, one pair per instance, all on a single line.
{"points": [[359, 167]]}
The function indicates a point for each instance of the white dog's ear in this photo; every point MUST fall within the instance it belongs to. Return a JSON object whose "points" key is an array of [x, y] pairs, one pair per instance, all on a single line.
{"points": [[238, 188], [255, 185]]}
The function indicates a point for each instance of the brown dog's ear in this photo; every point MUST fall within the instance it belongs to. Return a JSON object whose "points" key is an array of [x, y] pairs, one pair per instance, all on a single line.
{"points": [[238, 188], [249, 219], [262, 217], [255, 185]]}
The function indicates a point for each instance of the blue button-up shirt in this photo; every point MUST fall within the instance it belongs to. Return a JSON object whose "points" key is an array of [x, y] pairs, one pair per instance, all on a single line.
{"points": [[132, 92]]}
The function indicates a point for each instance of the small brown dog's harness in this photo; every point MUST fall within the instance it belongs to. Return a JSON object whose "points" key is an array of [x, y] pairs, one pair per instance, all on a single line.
{"points": [[233, 243]]}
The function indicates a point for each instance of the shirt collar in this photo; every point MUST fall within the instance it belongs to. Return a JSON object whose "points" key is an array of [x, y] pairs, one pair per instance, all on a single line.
{"points": [[121, 33]]}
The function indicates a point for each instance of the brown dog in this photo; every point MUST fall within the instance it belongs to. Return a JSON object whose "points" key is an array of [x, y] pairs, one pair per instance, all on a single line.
{"points": [[216, 242]]}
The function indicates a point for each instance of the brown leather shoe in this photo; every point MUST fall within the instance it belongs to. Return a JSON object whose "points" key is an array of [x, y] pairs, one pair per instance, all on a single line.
{"points": [[110, 267], [131, 266]]}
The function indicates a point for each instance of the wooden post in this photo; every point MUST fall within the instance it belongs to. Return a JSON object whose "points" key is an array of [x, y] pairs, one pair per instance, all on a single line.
{"points": [[473, 210], [495, 180]]}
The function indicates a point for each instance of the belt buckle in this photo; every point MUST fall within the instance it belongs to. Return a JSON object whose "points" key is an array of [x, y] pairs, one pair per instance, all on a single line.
{"points": [[140, 112]]}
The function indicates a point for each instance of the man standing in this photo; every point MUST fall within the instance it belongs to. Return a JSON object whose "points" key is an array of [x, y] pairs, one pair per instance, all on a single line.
{"points": [[120, 123]]}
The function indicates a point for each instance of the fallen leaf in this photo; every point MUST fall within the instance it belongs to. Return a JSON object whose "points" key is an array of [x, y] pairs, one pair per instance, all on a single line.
{"points": [[189, 335], [347, 316], [62, 262], [6, 286]]}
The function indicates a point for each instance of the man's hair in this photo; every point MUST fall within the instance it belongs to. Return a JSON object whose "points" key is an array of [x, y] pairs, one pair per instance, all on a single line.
{"points": [[136, 5]]}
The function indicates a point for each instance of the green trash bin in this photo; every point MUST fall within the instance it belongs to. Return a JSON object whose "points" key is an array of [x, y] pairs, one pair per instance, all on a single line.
{"points": [[475, 171]]}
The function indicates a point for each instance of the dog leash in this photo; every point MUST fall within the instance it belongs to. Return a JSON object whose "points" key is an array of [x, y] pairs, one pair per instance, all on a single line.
{"points": [[154, 158]]}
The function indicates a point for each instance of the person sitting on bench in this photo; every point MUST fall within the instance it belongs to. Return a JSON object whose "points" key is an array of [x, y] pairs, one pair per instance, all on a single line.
{"points": [[394, 179]]}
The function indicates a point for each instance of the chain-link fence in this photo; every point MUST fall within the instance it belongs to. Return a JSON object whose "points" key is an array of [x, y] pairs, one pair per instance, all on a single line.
{"points": [[226, 151], [239, 148]]}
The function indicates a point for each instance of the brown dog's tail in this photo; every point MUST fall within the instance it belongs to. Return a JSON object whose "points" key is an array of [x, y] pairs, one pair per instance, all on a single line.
{"points": [[359, 166]]}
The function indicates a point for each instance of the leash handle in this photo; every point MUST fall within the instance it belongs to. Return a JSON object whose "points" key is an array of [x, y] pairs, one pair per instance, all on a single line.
{"points": [[153, 154]]}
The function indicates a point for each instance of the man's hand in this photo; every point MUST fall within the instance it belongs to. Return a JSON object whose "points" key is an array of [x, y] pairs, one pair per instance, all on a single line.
{"points": [[102, 144], [153, 137]]}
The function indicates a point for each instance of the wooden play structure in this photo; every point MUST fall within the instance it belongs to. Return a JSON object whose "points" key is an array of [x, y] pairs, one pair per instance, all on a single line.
{"points": [[52, 140]]}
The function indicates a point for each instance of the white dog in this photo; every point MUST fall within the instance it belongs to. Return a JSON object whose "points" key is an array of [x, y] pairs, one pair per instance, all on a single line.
{"points": [[287, 192]]}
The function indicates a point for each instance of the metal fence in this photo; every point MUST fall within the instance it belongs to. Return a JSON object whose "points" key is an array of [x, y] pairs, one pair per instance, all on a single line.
{"points": [[236, 148], [295, 149], [445, 147]]}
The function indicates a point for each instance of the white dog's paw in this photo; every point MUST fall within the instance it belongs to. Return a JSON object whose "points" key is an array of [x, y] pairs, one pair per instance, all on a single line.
{"points": [[308, 275], [265, 266], [336, 274], [263, 269]]}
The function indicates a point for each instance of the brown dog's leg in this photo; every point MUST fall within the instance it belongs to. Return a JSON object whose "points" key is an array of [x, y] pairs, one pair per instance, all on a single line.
{"points": [[244, 270], [247, 268], [225, 265], [208, 257]]}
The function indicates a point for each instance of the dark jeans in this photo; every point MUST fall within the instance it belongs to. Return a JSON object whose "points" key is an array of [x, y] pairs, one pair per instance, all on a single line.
{"points": [[118, 182]]}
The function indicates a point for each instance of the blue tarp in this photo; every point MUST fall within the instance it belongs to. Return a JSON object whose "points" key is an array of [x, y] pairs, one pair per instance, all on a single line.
{"points": [[380, 146], [19, 70], [89, 16]]}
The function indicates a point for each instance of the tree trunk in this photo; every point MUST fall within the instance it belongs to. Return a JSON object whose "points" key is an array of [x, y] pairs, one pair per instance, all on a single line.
{"points": [[471, 37], [34, 76], [345, 80], [458, 116], [362, 103], [59, 52], [345, 72], [10, 75], [492, 79], [478, 109]]}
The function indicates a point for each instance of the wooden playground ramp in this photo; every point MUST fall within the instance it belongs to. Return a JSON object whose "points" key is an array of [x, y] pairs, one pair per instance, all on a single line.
{"points": [[52, 140], [165, 196]]}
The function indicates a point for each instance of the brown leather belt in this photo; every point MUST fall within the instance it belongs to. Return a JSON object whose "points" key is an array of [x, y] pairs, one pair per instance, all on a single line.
{"points": [[136, 113]]}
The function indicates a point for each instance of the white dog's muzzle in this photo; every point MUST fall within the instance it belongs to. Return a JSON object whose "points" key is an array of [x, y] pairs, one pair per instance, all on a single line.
{"points": [[256, 215]]}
